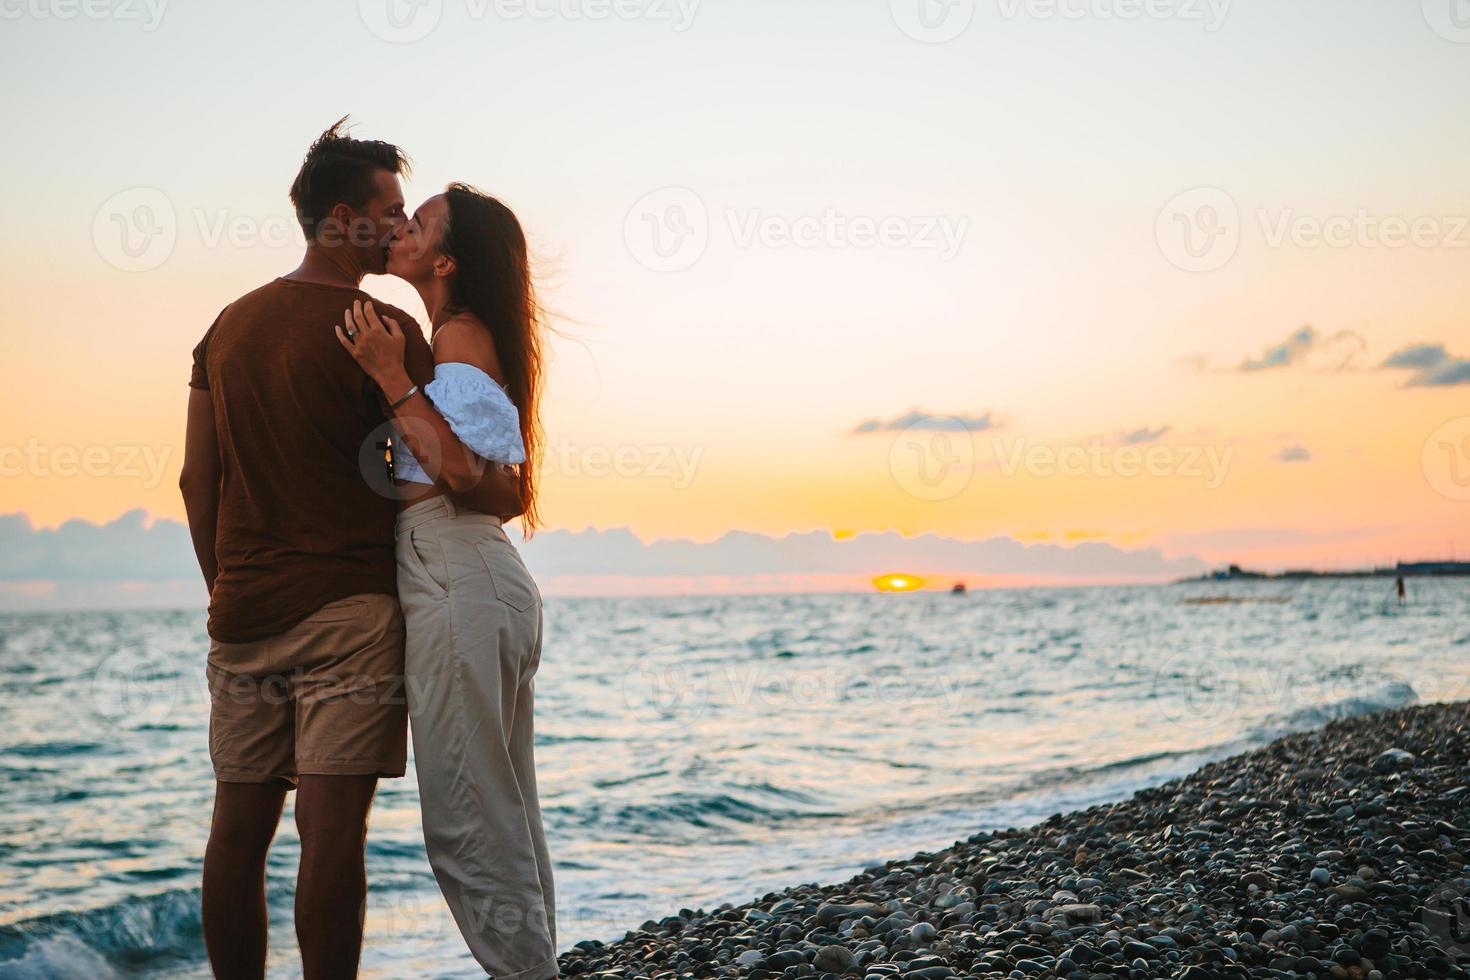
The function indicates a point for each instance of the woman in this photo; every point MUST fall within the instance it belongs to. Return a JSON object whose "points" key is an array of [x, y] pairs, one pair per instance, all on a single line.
{"points": [[472, 612]]}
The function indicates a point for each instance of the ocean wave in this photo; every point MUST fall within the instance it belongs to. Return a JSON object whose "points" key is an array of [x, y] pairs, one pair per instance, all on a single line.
{"points": [[1037, 785], [1072, 787], [1390, 695], [47, 750], [55, 957], [145, 934], [134, 933], [665, 816]]}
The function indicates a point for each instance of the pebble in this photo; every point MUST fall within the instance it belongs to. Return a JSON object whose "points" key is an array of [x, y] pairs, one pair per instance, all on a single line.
{"points": [[834, 959]]}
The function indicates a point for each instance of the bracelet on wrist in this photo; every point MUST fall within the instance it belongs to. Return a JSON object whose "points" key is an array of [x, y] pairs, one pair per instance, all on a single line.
{"points": [[406, 396]]}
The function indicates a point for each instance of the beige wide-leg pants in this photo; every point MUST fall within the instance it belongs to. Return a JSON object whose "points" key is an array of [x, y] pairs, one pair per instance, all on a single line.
{"points": [[473, 620]]}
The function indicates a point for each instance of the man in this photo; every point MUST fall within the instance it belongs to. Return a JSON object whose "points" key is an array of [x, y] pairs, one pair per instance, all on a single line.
{"points": [[296, 545]]}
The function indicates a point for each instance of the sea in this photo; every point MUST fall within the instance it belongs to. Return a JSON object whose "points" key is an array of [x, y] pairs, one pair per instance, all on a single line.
{"points": [[694, 751]]}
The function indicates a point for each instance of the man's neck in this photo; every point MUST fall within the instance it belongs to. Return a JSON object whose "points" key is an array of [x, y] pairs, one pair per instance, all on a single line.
{"points": [[329, 267]]}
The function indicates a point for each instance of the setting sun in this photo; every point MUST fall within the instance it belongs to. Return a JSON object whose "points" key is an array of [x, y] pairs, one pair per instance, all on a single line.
{"points": [[898, 583]]}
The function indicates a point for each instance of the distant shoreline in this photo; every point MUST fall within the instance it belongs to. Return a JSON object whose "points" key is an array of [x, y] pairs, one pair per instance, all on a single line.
{"points": [[1417, 569]]}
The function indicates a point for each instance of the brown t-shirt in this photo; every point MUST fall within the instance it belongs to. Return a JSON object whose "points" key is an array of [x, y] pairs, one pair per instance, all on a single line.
{"points": [[304, 518]]}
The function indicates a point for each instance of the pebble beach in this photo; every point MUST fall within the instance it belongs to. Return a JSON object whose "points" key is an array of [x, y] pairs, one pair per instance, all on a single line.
{"points": [[1337, 852]]}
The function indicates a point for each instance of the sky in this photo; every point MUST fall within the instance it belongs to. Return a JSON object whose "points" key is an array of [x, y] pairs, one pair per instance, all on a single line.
{"points": [[1181, 278]]}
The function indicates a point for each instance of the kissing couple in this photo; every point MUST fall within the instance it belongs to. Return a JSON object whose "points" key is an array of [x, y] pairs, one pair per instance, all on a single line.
{"points": [[347, 482]]}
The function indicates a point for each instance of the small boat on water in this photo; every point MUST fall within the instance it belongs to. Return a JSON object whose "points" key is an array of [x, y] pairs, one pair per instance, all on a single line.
{"points": [[958, 589]]}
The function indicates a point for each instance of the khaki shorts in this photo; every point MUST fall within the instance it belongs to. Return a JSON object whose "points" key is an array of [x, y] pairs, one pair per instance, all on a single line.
{"points": [[324, 698]]}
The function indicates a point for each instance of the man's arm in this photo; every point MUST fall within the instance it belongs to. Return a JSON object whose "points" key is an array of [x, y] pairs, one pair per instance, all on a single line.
{"points": [[498, 492], [199, 481]]}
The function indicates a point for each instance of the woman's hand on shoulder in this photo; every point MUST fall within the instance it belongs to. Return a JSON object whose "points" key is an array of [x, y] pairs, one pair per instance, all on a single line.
{"points": [[375, 342]]}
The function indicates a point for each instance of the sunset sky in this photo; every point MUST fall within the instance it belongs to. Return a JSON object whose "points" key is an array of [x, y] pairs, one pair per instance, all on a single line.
{"points": [[819, 265]]}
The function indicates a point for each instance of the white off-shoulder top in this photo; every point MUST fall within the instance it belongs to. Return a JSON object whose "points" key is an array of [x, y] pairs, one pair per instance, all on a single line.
{"points": [[479, 412]]}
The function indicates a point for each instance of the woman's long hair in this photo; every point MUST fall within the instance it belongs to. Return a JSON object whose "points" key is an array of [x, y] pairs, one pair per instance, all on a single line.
{"points": [[492, 280]]}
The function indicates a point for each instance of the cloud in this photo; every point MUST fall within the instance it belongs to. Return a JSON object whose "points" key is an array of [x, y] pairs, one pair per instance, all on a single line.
{"points": [[1293, 454], [928, 422], [1304, 347], [619, 551], [1140, 436], [1432, 366], [1284, 354], [131, 561], [128, 548]]}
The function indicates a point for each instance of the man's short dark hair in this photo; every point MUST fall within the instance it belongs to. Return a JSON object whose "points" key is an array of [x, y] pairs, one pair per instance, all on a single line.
{"points": [[339, 170]]}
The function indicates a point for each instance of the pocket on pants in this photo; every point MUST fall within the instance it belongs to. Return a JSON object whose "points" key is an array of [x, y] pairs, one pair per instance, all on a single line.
{"points": [[426, 555], [513, 585]]}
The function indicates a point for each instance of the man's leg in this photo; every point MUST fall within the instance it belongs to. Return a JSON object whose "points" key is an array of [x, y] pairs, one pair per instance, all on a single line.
{"points": [[331, 887], [232, 905]]}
